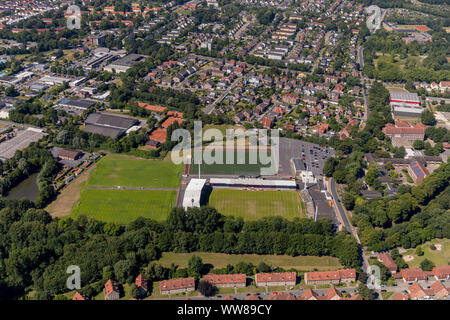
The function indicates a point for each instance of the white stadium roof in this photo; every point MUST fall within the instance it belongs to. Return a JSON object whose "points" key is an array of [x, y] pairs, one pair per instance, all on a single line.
{"points": [[193, 193], [253, 182]]}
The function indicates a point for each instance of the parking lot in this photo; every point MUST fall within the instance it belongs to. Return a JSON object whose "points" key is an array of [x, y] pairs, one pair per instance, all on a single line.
{"points": [[314, 156]]}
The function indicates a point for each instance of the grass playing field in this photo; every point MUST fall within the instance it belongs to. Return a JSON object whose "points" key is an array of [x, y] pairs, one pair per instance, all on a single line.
{"points": [[119, 170], [253, 205], [232, 169], [220, 260], [123, 206]]}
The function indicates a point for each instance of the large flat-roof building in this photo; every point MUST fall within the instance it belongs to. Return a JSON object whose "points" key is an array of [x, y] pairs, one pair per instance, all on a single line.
{"points": [[125, 63], [108, 125], [405, 104], [75, 104], [193, 193]]}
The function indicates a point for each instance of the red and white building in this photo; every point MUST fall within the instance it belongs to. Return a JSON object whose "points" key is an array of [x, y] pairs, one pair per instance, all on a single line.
{"points": [[330, 277], [227, 280], [386, 259], [405, 104], [177, 286], [276, 279]]}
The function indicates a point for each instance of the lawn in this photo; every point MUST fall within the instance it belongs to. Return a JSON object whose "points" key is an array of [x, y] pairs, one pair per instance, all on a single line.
{"points": [[123, 206], [221, 260], [253, 205], [439, 258], [126, 171]]}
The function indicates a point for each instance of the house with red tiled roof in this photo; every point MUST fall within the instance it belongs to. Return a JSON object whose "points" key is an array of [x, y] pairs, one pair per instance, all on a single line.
{"points": [[413, 274], [290, 98], [228, 298], [438, 290], [276, 279], [282, 296], [441, 272], [400, 296], [227, 280], [267, 123], [111, 290], [142, 284], [415, 291], [330, 277], [386, 259], [345, 133], [333, 294], [309, 294], [177, 286], [79, 296]]}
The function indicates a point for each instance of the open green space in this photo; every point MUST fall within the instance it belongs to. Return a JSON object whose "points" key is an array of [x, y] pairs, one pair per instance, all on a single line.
{"points": [[221, 260], [126, 171], [123, 206], [438, 257], [247, 168], [253, 205]]}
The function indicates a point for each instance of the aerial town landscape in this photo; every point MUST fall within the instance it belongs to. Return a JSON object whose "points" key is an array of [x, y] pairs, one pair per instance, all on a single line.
{"points": [[321, 169]]}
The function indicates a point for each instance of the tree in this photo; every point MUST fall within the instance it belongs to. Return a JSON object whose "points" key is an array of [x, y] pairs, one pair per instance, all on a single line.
{"points": [[263, 267], [195, 266], [124, 271], [134, 291], [329, 166], [11, 92], [427, 118], [206, 288], [418, 144], [419, 251], [365, 292], [426, 265], [348, 200]]}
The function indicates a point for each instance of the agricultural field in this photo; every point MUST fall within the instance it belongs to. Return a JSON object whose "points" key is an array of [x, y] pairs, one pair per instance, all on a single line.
{"points": [[131, 172], [123, 206], [123, 188], [253, 205], [221, 260], [230, 169]]}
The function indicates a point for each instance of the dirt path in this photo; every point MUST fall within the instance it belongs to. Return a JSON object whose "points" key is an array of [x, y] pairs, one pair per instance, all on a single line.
{"points": [[62, 206]]}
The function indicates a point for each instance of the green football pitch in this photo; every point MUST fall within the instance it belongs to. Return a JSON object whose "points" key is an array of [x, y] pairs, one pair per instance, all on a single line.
{"points": [[246, 168], [253, 205], [101, 198], [118, 170]]}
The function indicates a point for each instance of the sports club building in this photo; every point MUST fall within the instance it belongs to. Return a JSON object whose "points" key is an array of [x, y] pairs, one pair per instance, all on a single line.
{"points": [[405, 104]]}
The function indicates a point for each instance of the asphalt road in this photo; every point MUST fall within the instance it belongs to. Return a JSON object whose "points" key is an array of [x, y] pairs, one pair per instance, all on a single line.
{"points": [[338, 206]]}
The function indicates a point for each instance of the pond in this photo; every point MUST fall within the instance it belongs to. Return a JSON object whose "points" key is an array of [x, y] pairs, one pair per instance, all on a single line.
{"points": [[27, 189]]}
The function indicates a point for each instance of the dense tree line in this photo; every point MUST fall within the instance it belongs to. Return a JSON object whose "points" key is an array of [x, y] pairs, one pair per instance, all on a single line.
{"points": [[410, 218], [35, 250]]}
